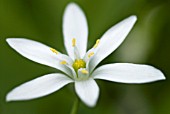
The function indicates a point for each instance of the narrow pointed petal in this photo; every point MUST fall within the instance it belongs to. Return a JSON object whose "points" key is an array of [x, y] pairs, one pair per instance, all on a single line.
{"points": [[38, 87], [128, 73], [111, 40], [73, 75], [88, 91], [39, 53], [75, 26]]}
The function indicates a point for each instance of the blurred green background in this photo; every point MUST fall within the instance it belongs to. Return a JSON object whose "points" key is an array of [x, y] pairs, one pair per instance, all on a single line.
{"points": [[41, 20]]}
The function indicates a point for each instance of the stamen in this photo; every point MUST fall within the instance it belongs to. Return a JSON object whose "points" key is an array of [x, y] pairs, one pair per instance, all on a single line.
{"points": [[63, 62], [54, 51], [84, 71], [97, 43], [90, 54], [73, 42]]}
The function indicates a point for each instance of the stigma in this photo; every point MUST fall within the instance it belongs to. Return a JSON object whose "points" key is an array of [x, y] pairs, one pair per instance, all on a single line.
{"points": [[79, 63]]}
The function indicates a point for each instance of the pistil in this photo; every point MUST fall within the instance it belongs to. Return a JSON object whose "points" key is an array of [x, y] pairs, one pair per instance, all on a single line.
{"points": [[79, 63]]}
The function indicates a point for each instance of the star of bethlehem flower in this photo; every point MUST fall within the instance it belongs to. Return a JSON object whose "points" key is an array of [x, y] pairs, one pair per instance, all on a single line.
{"points": [[79, 66]]}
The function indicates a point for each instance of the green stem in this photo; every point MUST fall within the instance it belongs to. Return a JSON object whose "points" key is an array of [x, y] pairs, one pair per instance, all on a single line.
{"points": [[75, 107]]}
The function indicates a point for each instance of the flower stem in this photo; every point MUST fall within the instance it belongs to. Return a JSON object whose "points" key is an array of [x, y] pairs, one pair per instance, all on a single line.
{"points": [[75, 107]]}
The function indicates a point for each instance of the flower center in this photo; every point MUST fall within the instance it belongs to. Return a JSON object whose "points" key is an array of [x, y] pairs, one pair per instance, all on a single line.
{"points": [[79, 63]]}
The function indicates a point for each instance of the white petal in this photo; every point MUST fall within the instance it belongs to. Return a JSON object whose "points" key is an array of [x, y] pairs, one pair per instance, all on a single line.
{"points": [[111, 40], [128, 73], [38, 87], [88, 91], [73, 75], [40, 53], [75, 26]]}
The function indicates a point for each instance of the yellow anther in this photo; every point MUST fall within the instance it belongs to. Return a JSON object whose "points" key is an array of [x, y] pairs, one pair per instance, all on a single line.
{"points": [[73, 42], [63, 62], [90, 54], [84, 71], [54, 51], [97, 43]]}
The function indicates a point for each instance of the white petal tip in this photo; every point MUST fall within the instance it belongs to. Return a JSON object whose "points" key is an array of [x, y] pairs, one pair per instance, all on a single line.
{"points": [[8, 98], [11, 97], [91, 105], [159, 75], [133, 18], [162, 76], [8, 40], [11, 40], [72, 5]]}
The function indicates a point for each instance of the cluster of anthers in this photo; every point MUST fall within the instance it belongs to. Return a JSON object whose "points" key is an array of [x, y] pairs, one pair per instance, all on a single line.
{"points": [[79, 66]]}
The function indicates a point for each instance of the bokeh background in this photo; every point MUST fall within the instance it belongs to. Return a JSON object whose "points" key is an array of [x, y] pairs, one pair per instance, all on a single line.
{"points": [[41, 20]]}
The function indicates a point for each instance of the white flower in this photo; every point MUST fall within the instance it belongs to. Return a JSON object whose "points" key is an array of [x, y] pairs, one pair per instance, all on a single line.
{"points": [[79, 66]]}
